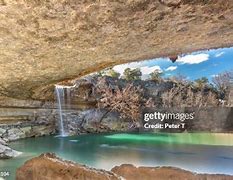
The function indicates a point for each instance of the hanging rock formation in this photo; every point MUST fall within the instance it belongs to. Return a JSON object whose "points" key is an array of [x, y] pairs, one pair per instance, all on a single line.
{"points": [[45, 42]]}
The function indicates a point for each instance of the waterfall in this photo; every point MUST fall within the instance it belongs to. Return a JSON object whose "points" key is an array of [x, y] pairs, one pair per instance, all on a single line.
{"points": [[60, 101], [64, 97]]}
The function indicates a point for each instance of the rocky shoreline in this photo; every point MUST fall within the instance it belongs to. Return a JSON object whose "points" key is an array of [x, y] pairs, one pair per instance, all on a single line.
{"points": [[49, 166], [5, 151]]}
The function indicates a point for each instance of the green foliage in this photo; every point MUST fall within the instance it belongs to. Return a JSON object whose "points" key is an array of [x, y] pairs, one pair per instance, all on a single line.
{"points": [[112, 73], [100, 73], [132, 74], [109, 72], [201, 82], [156, 75]]}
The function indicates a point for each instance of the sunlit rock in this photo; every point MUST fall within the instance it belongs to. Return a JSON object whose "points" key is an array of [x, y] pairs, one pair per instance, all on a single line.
{"points": [[48, 166], [130, 172]]}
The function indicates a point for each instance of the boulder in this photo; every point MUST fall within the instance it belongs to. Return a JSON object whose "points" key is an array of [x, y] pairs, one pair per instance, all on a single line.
{"points": [[6, 152], [3, 142], [130, 172], [14, 134], [2, 131], [97, 120], [48, 166]]}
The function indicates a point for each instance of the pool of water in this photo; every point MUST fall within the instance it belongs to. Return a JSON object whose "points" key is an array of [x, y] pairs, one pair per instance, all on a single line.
{"points": [[198, 152]]}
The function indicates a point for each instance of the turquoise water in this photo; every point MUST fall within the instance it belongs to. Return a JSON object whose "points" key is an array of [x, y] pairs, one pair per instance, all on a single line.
{"points": [[199, 152]]}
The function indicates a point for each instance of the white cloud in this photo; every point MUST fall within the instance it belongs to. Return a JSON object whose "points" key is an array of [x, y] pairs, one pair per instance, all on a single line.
{"points": [[214, 75], [193, 59], [122, 67], [171, 68], [219, 54], [146, 70]]}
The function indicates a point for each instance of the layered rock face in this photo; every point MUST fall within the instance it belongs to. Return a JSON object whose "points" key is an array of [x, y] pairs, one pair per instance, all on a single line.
{"points": [[44, 42], [26, 118], [48, 166], [21, 119]]}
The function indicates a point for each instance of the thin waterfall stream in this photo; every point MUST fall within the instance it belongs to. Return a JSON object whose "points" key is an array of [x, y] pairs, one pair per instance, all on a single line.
{"points": [[60, 99], [63, 96]]}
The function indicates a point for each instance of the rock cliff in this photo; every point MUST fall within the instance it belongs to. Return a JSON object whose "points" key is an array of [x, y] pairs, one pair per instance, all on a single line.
{"points": [[45, 42]]}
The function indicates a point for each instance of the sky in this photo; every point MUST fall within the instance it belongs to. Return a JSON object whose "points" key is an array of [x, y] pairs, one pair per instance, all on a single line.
{"points": [[193, 66]]}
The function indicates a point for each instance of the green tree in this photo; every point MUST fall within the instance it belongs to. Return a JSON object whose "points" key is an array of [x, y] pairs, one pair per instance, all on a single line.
{"points": [[112, 73], [156, 75], [132, 74], [201, 82]]}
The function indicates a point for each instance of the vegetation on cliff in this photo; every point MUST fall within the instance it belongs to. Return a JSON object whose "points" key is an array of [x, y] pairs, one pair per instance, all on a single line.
{"points": [[128, 94]]}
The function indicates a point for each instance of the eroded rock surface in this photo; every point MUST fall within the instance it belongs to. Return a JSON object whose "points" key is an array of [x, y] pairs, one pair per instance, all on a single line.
{"points": [[48, 166], [130, 172], [5, 151], [44, 42]]}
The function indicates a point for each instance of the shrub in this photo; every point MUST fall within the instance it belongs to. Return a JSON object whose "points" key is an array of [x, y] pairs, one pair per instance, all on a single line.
{"points": [[156, 76], [112, 73], [201, 82], [132, 74]]}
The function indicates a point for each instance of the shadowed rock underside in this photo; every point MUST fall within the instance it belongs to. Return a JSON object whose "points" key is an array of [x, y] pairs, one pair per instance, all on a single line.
{"points": [[45, 42]]}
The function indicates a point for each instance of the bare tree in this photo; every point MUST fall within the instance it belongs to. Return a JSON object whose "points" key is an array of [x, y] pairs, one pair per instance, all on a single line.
{"points": [[179, 78], [224, 84], [126, 100], [223, 80], [183, 96]]}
